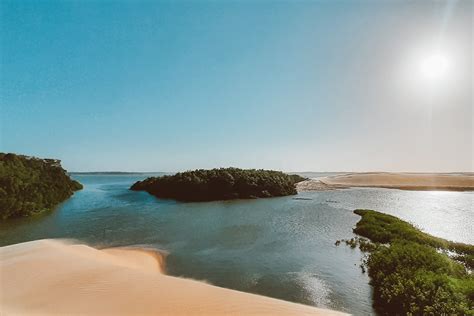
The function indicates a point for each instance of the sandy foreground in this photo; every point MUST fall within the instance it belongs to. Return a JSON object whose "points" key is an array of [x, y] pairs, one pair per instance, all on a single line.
{"points": [[47, 277], [405, 181]]}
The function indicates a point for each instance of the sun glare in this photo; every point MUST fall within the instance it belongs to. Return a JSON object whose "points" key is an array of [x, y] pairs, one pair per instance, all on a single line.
{"points": [[429, 71], [434, 67]]}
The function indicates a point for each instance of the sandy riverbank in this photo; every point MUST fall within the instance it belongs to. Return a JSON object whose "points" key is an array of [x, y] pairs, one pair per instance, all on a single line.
{"points": [[405, 181], [48, 277]]}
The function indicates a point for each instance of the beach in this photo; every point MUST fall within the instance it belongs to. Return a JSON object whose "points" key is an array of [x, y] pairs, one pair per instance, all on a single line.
{"points": [[46, 277], [390, 180]]}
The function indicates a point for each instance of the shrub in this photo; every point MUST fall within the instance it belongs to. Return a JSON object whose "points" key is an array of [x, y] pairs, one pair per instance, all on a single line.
{"points": [[412, 278]]}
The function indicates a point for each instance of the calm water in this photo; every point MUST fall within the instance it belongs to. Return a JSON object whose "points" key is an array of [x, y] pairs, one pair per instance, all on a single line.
{"points": [[278, 247]]}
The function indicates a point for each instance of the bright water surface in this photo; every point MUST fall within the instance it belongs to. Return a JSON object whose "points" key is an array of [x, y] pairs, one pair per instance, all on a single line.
{"points": [[279, 247]]}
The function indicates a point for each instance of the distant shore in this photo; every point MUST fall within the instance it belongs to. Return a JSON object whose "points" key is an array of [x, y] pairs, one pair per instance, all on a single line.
{"points": [[114, 173], [59, 277], [390, 180]]}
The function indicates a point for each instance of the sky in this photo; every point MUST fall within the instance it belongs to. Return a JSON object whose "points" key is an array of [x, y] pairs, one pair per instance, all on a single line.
{"points": [[288, 85]]}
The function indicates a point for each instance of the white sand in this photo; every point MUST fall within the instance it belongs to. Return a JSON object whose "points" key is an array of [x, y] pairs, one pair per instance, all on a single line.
{"points": [[51, 277], [408, 181]]}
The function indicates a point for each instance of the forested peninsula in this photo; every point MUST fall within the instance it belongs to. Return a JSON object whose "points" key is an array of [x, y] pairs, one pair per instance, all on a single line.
{"points": [[220, 184], [414, 273], [30, 185]]}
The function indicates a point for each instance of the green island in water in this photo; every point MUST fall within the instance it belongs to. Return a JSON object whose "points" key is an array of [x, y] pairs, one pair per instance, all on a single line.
{"points": [[414, 273], [220, 184], [30, 185]]}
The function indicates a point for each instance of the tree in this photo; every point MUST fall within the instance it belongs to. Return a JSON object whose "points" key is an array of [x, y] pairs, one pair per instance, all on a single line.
{"points": [[30, 185]]}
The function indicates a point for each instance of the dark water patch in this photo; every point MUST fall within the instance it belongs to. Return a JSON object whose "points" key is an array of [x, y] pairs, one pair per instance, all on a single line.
{"points": [[248, 235], [292, 289]]}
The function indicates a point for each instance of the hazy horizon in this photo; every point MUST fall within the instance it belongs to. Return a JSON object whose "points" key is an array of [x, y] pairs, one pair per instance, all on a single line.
{"points": [[286, 171], [324, 85]]}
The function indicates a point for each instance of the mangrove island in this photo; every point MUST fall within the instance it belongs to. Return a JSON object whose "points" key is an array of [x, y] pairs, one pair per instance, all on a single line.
{"points": [[30, 185], [220, 184], [414, 273]]}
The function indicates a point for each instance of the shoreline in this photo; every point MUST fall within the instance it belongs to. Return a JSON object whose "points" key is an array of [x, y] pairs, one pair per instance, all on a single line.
{"points": [[459, 182], [61, 277]]}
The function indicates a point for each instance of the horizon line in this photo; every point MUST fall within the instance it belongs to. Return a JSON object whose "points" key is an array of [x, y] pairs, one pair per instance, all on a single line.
{"points": [[342, 172]]}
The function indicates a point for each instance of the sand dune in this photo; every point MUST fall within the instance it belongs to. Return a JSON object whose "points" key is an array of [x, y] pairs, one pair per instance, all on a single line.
{"points": [[406, 181], [48, 277]]}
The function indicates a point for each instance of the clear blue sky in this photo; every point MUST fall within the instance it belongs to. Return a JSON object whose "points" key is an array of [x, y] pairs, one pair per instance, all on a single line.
{"points": [[296, 86]]}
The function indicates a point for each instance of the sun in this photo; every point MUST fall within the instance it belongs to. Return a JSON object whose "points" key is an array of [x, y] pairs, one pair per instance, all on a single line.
{"points": [[434, 67], [428, 71]]}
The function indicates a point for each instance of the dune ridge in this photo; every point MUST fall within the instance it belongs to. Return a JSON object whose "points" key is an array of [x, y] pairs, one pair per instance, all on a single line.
{"points": [[393, 180], [51, 277]]}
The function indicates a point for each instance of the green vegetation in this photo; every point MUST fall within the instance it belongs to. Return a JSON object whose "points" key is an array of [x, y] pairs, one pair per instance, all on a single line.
{"points": [[30, 185], [297, 178], [220, 184], [410, 274], [383, 228], [364, 244]]}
